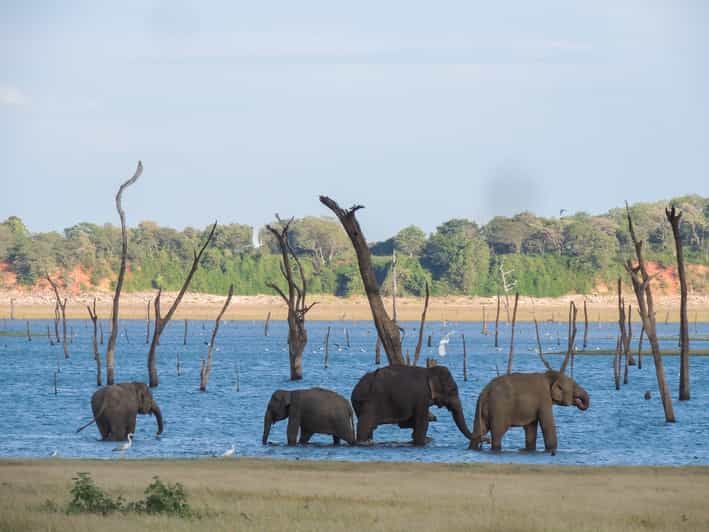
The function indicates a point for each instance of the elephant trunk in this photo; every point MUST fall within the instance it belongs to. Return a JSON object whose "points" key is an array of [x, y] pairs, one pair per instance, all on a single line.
{"points": [[581, 398], [457, 410], [267, 422], [155, 410]]}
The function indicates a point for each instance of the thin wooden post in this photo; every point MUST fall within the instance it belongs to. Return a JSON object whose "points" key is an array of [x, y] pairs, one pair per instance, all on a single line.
{"points": [[430, 341], [422, 325], [585, 324], [629, 361], [238, 387], [61, 307], [378, 351], [571, 337], [49, 336], [266, 325], [465, 359], [207, 366], [512, 336], [497, 321], [55, 383], [71, 335], [29, 332], [394, 287], [147, 323], [347, 337], [12, 309], [616, 363], [97, 355], [640, 348], [539, 346], [327, 347], [184, 336], [178, 367], [100, 328]]}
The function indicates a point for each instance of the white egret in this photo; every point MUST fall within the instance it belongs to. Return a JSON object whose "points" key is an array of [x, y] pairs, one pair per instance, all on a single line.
{"points": [[54, 453], [125, 446], [443, 343], [230, 452]]}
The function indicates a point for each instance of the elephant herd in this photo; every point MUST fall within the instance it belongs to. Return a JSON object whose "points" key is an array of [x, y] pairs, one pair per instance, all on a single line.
{"points": [[400, 395]]}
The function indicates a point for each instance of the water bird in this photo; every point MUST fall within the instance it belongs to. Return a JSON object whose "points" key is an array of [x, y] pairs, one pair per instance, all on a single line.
{"points": [[230, 451], [125, 446], [54, 453], [443, 343]]}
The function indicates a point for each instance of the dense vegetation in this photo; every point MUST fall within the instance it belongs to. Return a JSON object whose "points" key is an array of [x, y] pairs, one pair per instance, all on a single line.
{"points": [[547, 256]]}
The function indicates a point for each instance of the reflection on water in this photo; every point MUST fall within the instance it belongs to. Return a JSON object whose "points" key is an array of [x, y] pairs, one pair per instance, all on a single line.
{"points": [[619, 428]]}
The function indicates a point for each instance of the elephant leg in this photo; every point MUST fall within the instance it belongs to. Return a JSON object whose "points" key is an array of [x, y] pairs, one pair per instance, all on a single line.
{"points": [[546, 419], [420, 426], [497, 430], [292, 431], [335, 440], [305, 437], [530, 436], [131, 425], [104, 428]]}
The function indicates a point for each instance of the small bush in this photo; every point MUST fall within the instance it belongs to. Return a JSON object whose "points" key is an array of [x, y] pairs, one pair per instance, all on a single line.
{"points": [[89, 498], [160, 498]]}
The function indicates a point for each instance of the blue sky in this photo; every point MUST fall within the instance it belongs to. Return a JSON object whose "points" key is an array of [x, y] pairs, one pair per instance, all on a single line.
{"points": [[421, 111]]}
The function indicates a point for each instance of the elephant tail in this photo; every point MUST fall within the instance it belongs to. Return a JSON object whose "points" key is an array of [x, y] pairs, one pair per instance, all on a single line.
{"points": [[93, 420], [480, 427]]}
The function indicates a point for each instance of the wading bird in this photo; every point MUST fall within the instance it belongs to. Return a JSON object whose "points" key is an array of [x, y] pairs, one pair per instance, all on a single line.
{"points": [[125, 446], [230, 451]]}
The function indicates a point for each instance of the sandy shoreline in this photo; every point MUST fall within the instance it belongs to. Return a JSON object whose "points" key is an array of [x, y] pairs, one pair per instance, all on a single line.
{"points": [[330, 308]]}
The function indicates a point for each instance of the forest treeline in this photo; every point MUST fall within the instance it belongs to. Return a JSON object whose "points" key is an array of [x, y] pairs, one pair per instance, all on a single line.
{"points": [[546, 256]]}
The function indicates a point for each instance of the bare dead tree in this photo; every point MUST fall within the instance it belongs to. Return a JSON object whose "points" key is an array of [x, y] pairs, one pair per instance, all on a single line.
{"points": [[160, 321], [585, 324], [497, 321], [207, 365], [512, 336], [378, 351], [626, 347], [97, 355], [539, 346], [147, 322], [100, 330], [616, 363], [571, 337], [394, 286], [640, 348], [347, 338], [111, 348], [294, 276], [419, 343], [49, 336], [184, 336], [465, 359], [675, 217], [62, 308], [387, 329], [327, 347], [267, 324], [646, 308], [429, 341]]}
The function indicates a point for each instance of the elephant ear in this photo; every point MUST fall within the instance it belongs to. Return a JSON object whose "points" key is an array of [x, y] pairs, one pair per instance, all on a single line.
{"points": [[285, 397], [434, 384], [557, 392]]}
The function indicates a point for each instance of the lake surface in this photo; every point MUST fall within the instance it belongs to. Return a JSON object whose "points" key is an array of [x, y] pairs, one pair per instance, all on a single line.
{"points": [[620, 427]]}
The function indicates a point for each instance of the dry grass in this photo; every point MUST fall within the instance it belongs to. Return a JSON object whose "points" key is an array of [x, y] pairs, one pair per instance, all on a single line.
{"points": [[247, 494]]}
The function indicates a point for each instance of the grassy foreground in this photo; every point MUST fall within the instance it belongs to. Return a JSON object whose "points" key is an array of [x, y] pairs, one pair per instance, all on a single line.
{"points": [[250, 494]]}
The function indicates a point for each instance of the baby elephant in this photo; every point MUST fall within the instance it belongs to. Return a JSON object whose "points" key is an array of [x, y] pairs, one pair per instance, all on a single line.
{"points": [[524, 400], [310, 411]]}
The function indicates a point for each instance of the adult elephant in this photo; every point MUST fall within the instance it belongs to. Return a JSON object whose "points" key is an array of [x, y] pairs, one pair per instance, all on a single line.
{"points": [[525, 400], [310, 411], [402, 395], [116, 406]]}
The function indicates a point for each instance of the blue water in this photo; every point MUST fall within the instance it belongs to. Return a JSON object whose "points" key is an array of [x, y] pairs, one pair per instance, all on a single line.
{"points": [[619, 428]]}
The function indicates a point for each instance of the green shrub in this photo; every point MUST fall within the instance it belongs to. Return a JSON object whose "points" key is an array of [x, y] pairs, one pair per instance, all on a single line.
{"points": [[89, 498]]}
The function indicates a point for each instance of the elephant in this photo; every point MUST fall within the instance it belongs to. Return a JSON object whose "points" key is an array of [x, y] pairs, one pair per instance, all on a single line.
{"points": [[310, 411], [402, 395], [525, 400], [116, 406]]}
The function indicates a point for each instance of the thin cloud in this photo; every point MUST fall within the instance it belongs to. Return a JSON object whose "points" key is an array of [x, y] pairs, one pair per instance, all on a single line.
{"points": [[12, 96]]}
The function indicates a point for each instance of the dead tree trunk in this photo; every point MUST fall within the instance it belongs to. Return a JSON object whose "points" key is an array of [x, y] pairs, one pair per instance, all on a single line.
{"points": [[327, 347], [387, 329], [62, 308], [497, 321], [57, 319], [97, 355], [147, 322], [184, 337], [394, 286], [419, 343], [378, 352], [161, 322], [111, 348], [29, 332], [571, 338], [49, 335], [675, 218], [616, 363], [640, 348], [539, 346], [626, 348], [484, 327], [465, 359], [266, 325], [585, 324], [512, 336], [207, 366], [295, 300], [646, 308]]}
